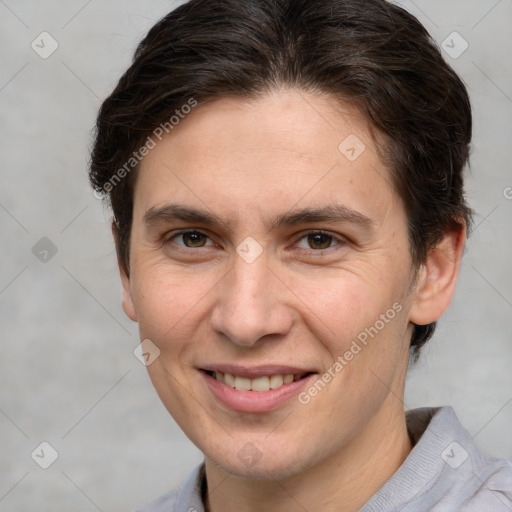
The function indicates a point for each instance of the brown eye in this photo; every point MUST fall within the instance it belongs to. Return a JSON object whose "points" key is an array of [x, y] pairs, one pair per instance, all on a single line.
{"points": [[191, 239], [194, 239], [319, 240]]}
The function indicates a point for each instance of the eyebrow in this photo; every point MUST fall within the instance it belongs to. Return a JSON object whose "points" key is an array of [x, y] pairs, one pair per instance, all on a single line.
{"points": [[173, 212], [331, 213]]}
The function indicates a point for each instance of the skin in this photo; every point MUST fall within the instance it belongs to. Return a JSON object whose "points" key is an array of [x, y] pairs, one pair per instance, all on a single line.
{"points": [[300, 303]]}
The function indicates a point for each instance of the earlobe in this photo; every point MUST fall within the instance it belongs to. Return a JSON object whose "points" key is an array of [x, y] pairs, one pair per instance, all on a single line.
{"points": [[437, 277]]}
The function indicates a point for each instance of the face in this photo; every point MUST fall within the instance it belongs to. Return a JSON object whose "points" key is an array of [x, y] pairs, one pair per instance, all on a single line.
{"points": [[270, 253]]}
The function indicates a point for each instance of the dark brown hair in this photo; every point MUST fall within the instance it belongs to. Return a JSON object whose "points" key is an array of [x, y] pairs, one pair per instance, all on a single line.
{"points": [[370, 53]]}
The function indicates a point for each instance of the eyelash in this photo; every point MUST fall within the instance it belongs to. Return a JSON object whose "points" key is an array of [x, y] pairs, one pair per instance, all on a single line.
{"points": [[339, 240]]}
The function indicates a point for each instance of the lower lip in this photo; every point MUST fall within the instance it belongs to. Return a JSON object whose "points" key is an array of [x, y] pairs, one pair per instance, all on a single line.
{"points": [[253, 401]]}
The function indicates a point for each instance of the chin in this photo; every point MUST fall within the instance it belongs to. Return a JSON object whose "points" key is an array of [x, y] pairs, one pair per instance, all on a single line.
{"points": [[263, 472], [250, 463]]}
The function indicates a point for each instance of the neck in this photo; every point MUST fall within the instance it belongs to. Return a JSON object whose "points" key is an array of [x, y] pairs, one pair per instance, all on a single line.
{"points": [[344, 481]]}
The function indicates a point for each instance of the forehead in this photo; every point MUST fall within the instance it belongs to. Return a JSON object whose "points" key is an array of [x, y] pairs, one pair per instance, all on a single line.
{"points": [[290, 121], [265, 153]]}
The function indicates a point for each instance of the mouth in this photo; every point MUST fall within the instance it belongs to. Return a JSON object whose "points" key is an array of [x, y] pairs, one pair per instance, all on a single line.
{"points": [[258, 384], [254, 390]]}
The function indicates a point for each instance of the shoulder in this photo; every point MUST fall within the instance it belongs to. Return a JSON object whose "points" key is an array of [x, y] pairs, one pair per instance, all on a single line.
{"points": [[467, 479], [485, 483], [445, 471]]}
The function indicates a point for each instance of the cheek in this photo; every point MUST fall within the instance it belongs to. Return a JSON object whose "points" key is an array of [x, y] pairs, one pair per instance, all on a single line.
{"points": [[168, 300], [341, 304]]}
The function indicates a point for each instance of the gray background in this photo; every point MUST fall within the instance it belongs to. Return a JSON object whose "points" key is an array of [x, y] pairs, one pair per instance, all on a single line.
{"points": [[67, 372]]}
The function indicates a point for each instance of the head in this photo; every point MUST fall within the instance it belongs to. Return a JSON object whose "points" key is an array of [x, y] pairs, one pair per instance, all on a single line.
{"points": [[286, 181]]}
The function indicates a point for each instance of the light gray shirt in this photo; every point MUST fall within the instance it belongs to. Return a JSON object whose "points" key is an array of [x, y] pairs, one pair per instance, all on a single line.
{"points": [[445, 472]]}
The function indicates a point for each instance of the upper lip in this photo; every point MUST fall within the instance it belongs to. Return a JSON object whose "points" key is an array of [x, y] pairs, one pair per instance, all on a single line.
{"points": [[254, 372]]}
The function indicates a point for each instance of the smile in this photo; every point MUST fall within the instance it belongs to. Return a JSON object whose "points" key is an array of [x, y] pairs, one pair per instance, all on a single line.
{"points": [[257, 389], [263, 383]]}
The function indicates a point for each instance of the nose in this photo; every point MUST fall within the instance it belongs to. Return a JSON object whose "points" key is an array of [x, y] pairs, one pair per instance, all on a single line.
{"points": [[251, 304]]}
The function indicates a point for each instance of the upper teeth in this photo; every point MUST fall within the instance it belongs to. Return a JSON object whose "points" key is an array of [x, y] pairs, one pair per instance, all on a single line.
{"points": [[259, 384]]}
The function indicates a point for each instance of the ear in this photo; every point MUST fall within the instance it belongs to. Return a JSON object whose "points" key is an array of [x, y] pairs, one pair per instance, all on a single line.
{"points": [[127, 301], [437, 277], [128, 306]]}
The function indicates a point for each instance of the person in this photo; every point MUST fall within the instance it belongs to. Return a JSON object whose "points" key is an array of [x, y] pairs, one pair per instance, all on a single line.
{"points": [[286, 182]]}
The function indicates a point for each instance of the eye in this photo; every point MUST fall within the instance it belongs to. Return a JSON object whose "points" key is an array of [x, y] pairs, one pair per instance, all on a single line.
{"points": [[191, 239], [318, 241]]}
